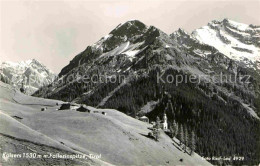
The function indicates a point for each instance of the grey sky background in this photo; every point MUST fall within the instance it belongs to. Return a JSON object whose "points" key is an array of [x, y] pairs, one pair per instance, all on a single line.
{"points": [[53, 32]]}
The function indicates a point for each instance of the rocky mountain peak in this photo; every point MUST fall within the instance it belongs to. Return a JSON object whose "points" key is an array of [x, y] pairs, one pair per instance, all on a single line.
{"points": [[129, 28], [180, 33]]}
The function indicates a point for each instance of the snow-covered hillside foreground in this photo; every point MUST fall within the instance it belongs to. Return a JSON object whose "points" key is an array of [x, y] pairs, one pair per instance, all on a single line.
{"points": [[120, 139]]}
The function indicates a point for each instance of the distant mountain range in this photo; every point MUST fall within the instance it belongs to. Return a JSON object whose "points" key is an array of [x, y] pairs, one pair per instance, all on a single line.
{"points": [[30, 74], [237, 41]]}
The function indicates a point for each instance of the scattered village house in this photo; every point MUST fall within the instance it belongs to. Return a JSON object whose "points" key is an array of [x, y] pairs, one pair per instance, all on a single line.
{"points": [[163, 123], [65, 106], [82, 109], [144, 119]]}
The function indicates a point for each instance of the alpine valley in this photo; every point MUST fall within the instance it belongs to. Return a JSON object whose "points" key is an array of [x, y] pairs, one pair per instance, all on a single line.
{"points": [[147, 65]]}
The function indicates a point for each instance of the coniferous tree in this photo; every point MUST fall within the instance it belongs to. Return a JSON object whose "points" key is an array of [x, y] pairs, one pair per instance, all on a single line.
{"points": [[171, 110], [156, 130], [186, 137], [175, 126], [174, 129], [172, 132], [192, 143], [181, 135]]}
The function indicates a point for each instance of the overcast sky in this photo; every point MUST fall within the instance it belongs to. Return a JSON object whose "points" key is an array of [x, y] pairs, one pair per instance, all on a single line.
{"points": [[53, 32]]}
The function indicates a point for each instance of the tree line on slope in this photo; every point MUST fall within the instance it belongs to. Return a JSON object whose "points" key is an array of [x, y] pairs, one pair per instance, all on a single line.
{"points": [[221, 128]]}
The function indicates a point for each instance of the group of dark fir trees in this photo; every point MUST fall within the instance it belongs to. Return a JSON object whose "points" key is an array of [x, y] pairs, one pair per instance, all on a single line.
{"points": [[187, 139]]}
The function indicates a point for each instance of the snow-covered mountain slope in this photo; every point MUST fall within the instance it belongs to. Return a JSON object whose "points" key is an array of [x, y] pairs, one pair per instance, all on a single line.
{"points": [[120, 139], [30, 74], [238, 41], [222, 50], [124, 37]]}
